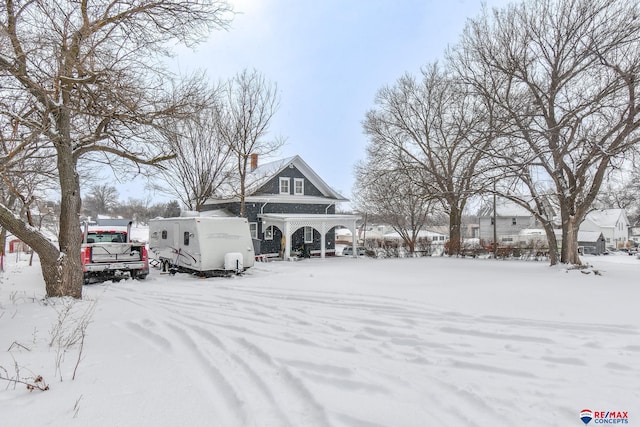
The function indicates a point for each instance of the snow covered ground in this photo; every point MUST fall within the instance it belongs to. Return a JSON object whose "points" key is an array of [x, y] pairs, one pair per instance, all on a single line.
{"points": [[338, 342]]}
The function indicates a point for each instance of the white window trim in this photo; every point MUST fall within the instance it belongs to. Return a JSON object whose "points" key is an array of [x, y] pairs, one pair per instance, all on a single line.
{"points": [[268, 233], [305, 234], [288, 181], [295, 187], [253, 228]]}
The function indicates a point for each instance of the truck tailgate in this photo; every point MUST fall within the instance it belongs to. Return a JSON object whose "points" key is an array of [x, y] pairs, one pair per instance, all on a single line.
{"points": [[115, 252]]}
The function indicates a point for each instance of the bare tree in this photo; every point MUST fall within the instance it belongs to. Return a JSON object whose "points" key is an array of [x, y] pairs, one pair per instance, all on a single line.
{"points": [[568, 73], [249, 106], [101, 200], [389, 195], [622, 191], [202, 162], [437, 134], [91, 77]]}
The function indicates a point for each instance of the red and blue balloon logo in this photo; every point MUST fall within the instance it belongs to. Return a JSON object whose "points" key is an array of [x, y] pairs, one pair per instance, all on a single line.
{"points": [[586, 415]]}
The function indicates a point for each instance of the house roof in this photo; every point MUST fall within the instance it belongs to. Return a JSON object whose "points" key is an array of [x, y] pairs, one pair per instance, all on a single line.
{"points": [[264, 173], [421, 234], [607, 217], [588, 236], [504, 208]]}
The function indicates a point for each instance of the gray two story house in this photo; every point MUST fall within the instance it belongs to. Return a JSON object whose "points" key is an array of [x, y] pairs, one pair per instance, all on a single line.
{"points": [[290, 209]]}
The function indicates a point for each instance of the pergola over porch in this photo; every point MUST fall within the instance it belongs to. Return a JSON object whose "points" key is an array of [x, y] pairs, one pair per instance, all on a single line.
{"points": [[289, 223]]}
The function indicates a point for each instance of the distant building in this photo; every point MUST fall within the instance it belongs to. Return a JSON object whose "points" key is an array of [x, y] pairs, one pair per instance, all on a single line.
{"points": [[612, 223], [591, 242], [511, 220]]}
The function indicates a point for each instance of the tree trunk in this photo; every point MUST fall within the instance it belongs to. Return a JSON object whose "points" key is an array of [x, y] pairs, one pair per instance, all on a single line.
{"points": [[70, 279], [50, 256], [553, 243], [455, 217], [572, 255], [412, 246]]}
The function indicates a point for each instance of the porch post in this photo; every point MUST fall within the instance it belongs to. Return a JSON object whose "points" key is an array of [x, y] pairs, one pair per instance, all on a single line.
{"points": [[287, 240], [323, 239]]}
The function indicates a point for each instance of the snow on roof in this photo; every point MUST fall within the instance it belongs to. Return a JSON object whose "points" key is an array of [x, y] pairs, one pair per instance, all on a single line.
{"points": [[588, 236], [504, 208], [265, 172], [421, 234], [217, 213], [532, 231], [606, 217]]}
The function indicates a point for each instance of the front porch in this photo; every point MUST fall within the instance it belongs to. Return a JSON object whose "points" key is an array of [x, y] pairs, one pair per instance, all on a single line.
{"points": [[290, 223]]}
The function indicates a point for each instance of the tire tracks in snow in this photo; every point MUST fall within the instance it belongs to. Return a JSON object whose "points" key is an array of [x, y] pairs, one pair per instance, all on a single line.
{"points": [[236, 339]]}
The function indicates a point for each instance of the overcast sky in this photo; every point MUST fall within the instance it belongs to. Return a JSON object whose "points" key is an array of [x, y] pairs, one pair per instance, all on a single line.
{"points": [[328, 59]]}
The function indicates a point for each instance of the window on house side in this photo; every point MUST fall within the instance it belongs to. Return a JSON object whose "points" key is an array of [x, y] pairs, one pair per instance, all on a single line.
{"points": [[164, 234], [186, 238], [298, 186], [513, 221], [253, 229], [268, 233], [284, 186], [308, 234]]}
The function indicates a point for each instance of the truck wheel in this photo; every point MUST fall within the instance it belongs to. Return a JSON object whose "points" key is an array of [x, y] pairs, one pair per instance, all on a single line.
{"points": [[136, 276]]}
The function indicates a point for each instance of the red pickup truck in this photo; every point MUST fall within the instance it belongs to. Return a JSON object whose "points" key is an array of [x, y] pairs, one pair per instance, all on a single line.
{"points": [[109, 254]]}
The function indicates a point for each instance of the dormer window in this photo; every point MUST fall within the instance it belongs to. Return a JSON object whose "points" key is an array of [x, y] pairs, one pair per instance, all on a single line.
{"points": [[298, 186], [284, 186]]}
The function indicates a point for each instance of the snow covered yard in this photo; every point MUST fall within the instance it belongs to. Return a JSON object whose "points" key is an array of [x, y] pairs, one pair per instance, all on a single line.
{"points": [[336, 342]]}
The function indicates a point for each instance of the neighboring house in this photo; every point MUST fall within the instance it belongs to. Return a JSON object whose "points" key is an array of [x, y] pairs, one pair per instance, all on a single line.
{"points": [[591, 242], [511, 220], [432, 236], [634, 234], [288, 206], [372, 232], [17, 245], [343, 236], [612, 223]]}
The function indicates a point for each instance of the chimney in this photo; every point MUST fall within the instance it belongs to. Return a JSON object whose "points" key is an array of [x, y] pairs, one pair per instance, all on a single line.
{"points": [[254, 161]]}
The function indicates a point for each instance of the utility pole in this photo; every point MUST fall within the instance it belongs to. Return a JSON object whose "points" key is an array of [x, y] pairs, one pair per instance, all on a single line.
{"points": [[495, 224]]}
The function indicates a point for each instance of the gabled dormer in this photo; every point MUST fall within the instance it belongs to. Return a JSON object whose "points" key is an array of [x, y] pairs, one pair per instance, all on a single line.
{"points": [[289, 177]]}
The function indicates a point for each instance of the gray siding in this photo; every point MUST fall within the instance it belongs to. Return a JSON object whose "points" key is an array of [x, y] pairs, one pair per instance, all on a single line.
{"points": [[505, 226], [273, 185]]}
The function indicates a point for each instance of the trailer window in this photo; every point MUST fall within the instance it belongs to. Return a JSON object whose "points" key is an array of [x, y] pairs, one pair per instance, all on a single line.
{"points": [[186, 238], [164, 234]]}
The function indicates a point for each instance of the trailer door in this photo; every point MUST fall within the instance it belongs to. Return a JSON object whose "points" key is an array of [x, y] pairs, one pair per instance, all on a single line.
{"points": [[176, 236]]}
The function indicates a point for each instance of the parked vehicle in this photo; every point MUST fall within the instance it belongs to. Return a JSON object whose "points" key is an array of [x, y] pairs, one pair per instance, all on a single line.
{"points": [[109, 254], [348, 250], [205, 246]]}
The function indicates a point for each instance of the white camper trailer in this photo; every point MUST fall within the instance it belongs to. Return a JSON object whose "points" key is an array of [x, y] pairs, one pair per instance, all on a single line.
{"points": [[206, 246]]}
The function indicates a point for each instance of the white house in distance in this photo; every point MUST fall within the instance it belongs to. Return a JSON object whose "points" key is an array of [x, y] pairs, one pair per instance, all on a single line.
{"points": [[513, 222], [612, 223]]}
